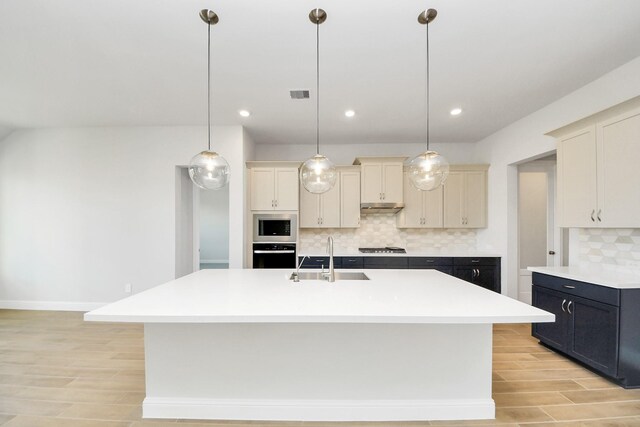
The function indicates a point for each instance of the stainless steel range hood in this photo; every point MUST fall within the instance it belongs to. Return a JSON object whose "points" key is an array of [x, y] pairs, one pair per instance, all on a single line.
{"points": [[369, 208]]}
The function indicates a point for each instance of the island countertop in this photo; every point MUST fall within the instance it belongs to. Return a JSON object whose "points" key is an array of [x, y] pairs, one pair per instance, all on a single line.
{"points": [[603, 275], [267, 296]]}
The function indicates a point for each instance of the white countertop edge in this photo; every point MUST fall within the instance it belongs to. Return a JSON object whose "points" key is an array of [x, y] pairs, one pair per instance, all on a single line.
{"points": [[610, 278], [541, 318]]}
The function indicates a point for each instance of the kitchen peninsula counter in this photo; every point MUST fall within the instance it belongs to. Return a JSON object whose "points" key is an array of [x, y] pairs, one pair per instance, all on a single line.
{"points": [[253, 345]]}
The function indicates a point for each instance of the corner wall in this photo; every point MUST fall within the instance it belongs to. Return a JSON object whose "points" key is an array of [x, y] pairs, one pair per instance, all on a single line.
{"points": [[84, 211], [525, 140]]}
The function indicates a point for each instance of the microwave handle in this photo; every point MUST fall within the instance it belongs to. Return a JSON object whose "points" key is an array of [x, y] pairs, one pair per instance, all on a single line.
{"points": [[275, 252]]}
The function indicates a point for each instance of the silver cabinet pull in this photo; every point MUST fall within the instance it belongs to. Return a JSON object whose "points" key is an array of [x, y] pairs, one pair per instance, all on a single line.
{"points": [[568, 286], [562, 305], [380, 196], [598, 215], [592, 213], [569, 307]]}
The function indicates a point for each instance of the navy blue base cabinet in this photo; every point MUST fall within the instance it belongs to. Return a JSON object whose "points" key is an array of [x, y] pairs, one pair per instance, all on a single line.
{"points": [[481, 271], [595, 325]]}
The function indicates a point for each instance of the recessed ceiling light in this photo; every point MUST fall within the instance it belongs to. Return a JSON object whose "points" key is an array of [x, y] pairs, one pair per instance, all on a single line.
{"points": [[456, 111], [349, 113], [244, 113]]}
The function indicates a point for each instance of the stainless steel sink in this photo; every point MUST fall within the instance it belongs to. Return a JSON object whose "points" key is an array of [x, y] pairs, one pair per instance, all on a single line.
{"points": [[340, 275]]}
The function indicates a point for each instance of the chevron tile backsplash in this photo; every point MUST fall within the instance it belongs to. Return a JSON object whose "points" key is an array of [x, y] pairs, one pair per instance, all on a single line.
{"points": [[377, 230], [613, 246]]}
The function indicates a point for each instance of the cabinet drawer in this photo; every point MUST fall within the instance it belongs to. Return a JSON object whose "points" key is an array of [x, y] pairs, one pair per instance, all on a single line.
{"points": [[476, 261], [429, 262], [351, 262], [319, 262], [386, 262], [573, 287]]}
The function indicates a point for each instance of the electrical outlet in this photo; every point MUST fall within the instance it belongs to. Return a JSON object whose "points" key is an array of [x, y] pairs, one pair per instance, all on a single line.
{"points": [[127, 288]]}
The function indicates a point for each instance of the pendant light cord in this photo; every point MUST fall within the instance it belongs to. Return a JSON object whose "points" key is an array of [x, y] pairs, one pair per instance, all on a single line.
{"points": [[209, 83], [317, 85], [427, 92]]}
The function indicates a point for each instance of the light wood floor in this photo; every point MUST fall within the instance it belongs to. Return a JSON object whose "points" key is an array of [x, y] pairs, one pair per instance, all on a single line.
{"points": [[56, 370]]}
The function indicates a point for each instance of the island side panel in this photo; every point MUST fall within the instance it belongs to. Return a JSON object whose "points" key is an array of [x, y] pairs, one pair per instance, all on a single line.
{"points": [[318, 372]]}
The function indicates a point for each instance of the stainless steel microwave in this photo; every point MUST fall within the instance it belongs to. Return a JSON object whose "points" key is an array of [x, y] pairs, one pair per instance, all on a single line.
{"points": [[275, 228]]}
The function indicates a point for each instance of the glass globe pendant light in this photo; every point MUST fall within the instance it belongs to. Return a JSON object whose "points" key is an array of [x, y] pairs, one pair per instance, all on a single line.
{"points": [[209, 170], [428, 170], [318, 174]]}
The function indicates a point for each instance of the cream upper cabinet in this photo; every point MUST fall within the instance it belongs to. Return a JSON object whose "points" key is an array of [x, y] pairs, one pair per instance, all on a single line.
{"points": [[274, 189], [465, 197], [381, 179], [598, 173], [338, 207], [422, 209], [286, 189], [350, 198], [618, 171], [320, 210], [577, 181]]}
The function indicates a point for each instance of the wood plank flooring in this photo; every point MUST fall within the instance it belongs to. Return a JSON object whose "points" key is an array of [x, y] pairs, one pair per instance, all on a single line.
{"points": [[56, 370]]}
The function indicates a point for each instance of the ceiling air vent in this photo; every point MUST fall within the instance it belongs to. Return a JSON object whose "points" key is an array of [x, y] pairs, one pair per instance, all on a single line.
{"points": [[299, 94]]}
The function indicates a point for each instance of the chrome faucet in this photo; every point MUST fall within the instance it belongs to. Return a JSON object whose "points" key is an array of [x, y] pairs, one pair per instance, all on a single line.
{"points": [[331, 276], [296, 275]]}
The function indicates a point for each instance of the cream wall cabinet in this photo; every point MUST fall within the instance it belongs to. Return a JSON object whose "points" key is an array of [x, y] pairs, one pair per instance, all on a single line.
{"points": [[465, 197], [577, 179], [350, 198], [274, 189], [422, 209], [598, 173], [381, 179], [320, 210], [337, 208]]}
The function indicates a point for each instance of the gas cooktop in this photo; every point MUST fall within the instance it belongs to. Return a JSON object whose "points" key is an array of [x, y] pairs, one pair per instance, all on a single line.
{"points": [[386, 250]]}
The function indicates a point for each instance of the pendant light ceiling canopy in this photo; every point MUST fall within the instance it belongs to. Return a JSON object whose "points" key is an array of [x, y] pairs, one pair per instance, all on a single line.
{"points": [[318, 174], [209, 170], [428, 170]]}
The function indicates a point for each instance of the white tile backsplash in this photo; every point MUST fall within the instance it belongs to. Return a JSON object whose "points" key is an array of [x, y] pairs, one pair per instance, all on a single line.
{"points": [[610, 246], [378, 230]]}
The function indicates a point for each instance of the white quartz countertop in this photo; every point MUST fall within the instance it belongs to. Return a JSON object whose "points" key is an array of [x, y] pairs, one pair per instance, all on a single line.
{"points": [[267, 296], [440, 254], [610, 276]]}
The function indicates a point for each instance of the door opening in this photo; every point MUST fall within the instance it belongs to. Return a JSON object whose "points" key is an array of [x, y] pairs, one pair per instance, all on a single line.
{"points": [[540, 242]]}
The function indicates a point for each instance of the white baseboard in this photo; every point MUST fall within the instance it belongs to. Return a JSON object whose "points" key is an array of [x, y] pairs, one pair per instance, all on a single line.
{"points": [[50, 305], [318, 410]]}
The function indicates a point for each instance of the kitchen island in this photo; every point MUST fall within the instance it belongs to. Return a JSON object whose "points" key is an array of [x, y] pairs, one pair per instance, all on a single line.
{"points": [[253, 345]]}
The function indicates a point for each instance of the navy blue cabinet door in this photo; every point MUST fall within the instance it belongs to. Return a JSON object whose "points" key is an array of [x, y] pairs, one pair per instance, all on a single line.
{"points": [[484, 276], [594, 334], [553, 334]]}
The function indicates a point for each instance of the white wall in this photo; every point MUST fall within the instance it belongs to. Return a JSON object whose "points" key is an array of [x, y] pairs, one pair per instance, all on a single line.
{"points": [[344, 154], [4, 132], [84, 211], [525, 140], [214, 226]]}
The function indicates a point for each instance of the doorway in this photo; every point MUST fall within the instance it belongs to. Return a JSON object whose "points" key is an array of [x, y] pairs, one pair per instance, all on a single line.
{"points": [[202, 226], [540, 242]]}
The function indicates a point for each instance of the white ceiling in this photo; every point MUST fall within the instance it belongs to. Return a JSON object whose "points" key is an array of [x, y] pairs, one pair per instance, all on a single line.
{"points": [[143, 62]]}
